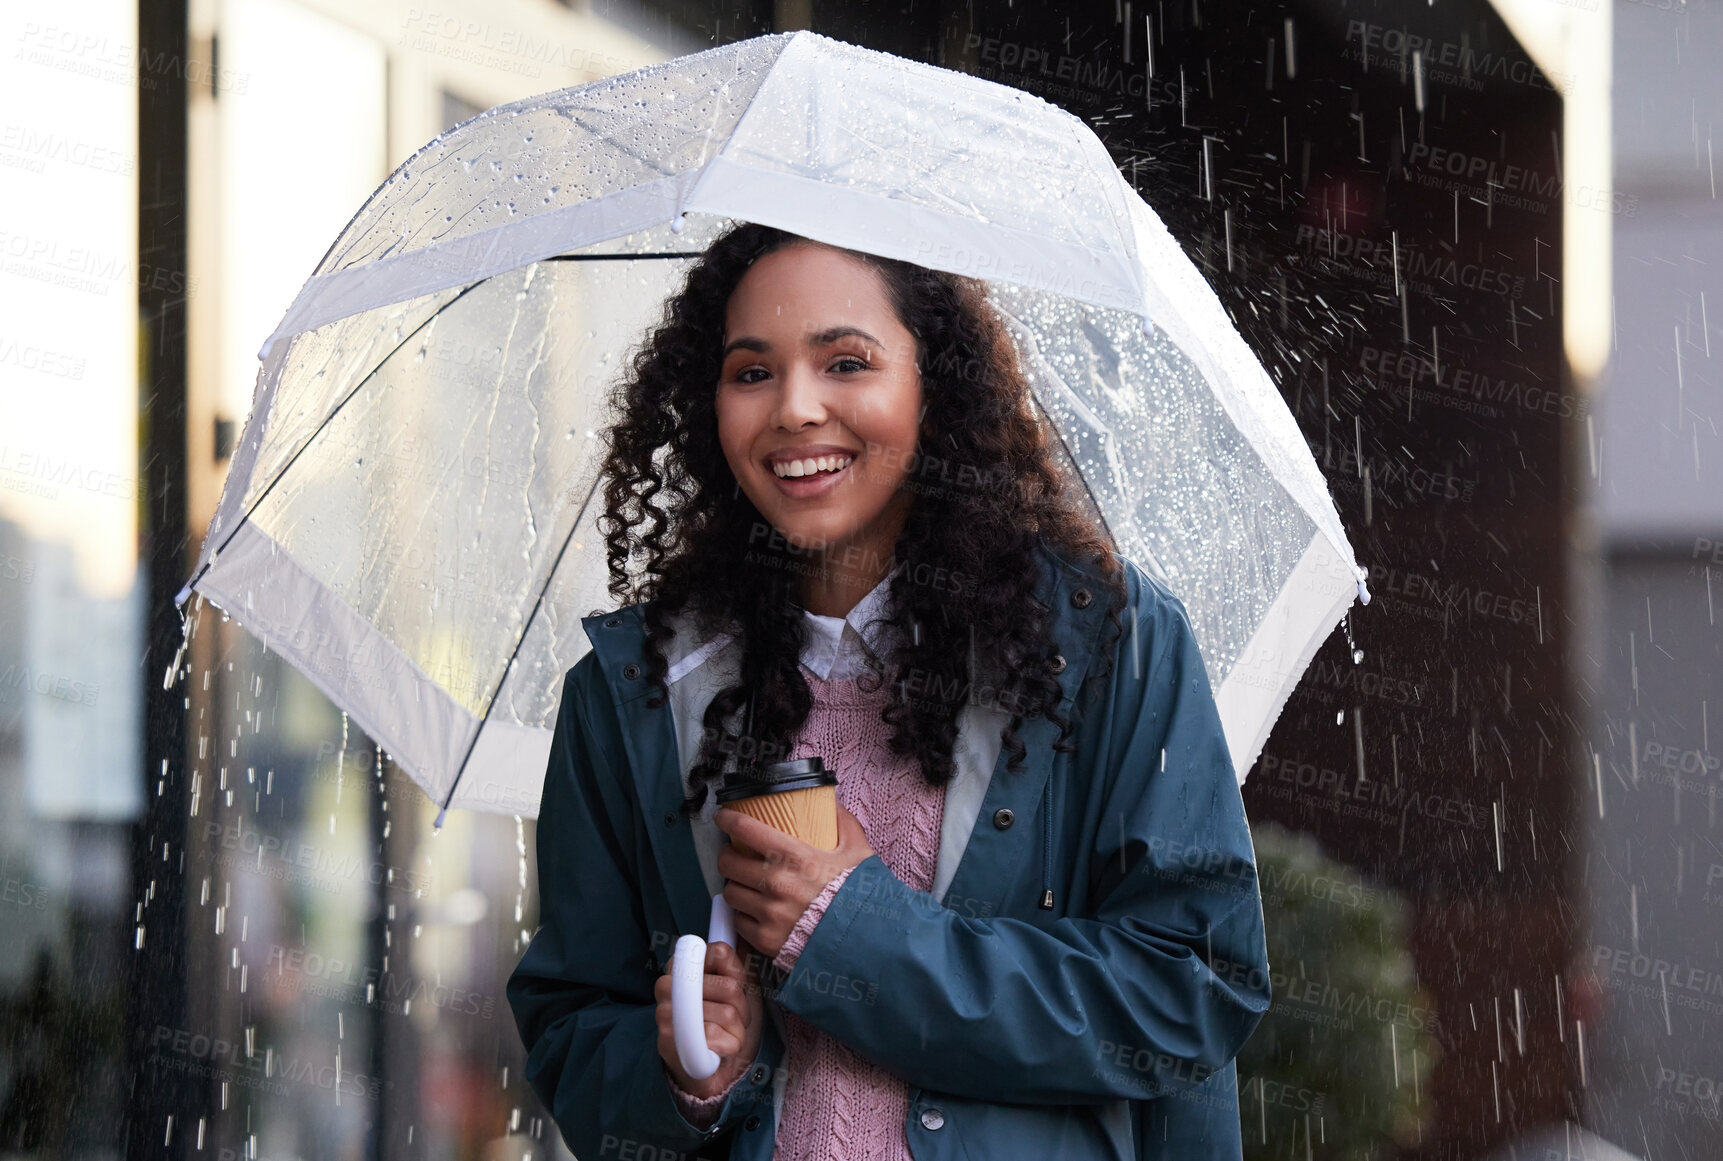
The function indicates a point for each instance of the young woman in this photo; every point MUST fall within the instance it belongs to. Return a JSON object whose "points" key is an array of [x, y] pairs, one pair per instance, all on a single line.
{"points": [[1040, 934]]}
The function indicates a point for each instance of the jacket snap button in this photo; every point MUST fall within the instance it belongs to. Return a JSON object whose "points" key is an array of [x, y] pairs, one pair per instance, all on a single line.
{"points": [[1002, 818], [612, 622], [670, 820], [759, 1076], [1058, 663], [1081, 598], [631, 671], [751, 1123], [932, 1118]]}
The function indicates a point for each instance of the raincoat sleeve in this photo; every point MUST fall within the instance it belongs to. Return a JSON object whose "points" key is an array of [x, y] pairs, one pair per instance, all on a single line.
{"points": [[1150, 992], [582, 995]]}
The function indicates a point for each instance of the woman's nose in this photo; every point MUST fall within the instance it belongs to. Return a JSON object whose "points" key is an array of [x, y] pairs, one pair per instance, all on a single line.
{"points": [[801, 398]]}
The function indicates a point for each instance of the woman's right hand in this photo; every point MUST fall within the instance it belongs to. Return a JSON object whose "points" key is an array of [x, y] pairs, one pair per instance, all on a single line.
{"points": [[733, 1017]]}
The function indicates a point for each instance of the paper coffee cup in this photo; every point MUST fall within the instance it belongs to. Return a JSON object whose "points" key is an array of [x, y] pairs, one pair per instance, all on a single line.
{"points": [[798, 797]]}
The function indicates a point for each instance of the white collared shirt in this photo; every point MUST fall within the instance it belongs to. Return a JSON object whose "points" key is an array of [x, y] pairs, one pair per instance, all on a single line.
{"points": [[837, 646]]}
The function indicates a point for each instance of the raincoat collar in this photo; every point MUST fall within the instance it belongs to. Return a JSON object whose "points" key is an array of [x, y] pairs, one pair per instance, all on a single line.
{"points": [[1072, 593]]}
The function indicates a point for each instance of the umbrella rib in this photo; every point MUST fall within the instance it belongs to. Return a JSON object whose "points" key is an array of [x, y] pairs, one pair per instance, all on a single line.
{"points": [[357, 387], [519, 640], [618, 257], [1100, 513], [654, 165], [312, 438]]}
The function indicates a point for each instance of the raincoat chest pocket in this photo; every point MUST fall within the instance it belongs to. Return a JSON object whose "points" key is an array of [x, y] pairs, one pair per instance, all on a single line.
{"points": [[943, 1127]]}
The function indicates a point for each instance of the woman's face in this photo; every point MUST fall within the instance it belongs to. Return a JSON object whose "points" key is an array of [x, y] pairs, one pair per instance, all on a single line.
{"points": [[818, 367]]}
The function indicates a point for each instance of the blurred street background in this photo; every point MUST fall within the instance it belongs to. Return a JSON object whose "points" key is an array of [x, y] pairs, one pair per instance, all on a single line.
{"points": [[1475, 242]]}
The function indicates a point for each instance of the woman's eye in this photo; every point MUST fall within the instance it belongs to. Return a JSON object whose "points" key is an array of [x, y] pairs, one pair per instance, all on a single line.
{"points": [[854, 364], [742, 375]]}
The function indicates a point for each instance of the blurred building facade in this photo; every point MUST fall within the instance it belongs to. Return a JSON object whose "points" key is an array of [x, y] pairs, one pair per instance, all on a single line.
{"points": [[1652, 673]]}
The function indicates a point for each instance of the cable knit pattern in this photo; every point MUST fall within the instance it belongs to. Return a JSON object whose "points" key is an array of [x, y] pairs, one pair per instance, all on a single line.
{"points": [[839, 1106], [798, 937]]}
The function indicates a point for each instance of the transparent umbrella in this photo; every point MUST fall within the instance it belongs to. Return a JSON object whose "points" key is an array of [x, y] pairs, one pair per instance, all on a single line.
{"points": [[409, 514]]}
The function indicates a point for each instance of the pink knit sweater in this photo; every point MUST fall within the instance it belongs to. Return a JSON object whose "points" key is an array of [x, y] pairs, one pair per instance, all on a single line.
{"points": [[839, 1106]]}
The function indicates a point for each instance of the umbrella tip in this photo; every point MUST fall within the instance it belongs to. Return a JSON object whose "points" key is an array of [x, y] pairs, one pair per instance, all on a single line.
{"points": [[438, 825], [1363, 593]]}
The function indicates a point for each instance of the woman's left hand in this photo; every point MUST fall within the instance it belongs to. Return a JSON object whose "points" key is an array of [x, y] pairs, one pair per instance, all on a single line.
{"points": [[768, 891]]}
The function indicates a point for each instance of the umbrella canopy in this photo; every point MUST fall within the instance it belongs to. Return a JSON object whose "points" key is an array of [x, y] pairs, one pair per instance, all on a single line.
{"points": [[409, 515]]}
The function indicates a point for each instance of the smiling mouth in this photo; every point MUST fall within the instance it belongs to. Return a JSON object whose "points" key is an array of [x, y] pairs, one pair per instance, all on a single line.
{"points": [[830, 465], [816, 482]]}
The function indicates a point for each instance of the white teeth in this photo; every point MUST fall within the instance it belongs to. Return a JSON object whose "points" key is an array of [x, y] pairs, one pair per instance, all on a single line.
{"points": [[794, 468]]}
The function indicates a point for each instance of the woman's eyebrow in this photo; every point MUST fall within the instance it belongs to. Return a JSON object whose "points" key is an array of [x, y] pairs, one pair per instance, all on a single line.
{"points": [[745, 344], [831, 335], [821, 339]]}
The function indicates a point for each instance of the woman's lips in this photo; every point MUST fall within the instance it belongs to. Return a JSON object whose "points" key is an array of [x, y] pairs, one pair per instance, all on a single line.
{"points": [[807, 487]]}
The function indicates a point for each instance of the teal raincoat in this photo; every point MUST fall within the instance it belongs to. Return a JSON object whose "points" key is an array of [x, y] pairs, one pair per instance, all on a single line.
{"points": [[1079, 993]]}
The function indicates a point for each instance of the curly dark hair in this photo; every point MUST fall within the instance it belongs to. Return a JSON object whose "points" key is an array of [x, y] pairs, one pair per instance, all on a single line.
{"points": [[671, 498]]}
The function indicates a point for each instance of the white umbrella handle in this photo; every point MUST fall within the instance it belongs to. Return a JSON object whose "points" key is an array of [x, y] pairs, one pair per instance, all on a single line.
{"points": [[687, 992]]}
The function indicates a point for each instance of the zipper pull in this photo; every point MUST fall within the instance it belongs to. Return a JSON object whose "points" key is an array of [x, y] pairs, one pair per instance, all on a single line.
{"points": [[1047, 900]]}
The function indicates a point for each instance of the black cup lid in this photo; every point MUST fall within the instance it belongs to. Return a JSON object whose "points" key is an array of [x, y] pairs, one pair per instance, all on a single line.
{"points": [[798, 774]]}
